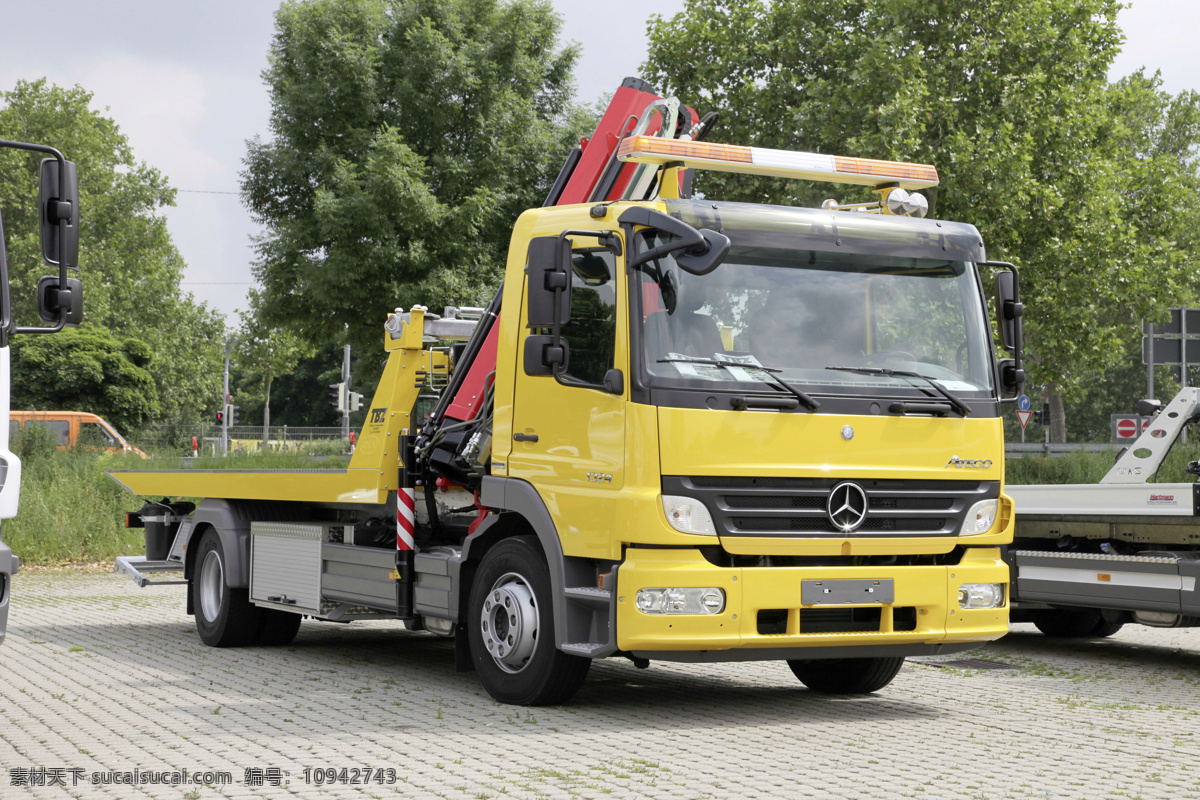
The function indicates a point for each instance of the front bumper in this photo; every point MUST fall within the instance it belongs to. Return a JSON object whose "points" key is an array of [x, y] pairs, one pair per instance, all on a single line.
{"points": [[734, 634]]}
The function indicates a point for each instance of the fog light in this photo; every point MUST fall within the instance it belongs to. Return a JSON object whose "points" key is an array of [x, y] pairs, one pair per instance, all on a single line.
{"points": [[687, 600], [980, 518], [981, 595], [688, 515]]}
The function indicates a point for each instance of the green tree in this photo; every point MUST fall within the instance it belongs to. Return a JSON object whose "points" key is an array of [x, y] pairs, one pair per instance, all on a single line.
{"points": [[406, 137], [129, 266], [1086, 186], [266, 353], [85, 369]]}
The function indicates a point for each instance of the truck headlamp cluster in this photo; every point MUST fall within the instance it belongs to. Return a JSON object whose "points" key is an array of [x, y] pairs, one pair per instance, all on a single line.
{"points": [[980, 518], [687, 600], [981, 595], [688, 515]]}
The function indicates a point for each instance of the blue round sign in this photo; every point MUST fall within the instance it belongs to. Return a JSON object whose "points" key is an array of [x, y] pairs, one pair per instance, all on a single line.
{"points": [[1023, 403]]}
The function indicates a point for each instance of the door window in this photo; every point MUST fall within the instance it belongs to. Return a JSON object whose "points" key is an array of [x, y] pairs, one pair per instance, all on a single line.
{"points": [[592, 332]]}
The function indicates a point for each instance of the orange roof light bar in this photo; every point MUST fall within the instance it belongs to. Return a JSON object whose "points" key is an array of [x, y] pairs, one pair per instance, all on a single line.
{"points": [[779, 163]]}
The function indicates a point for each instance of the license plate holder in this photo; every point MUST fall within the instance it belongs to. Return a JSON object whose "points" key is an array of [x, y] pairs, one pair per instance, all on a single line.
{"points": [[842, 592]]}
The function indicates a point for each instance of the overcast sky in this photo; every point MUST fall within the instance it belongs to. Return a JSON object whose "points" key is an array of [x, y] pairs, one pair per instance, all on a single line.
{"points": [[184, 83]]}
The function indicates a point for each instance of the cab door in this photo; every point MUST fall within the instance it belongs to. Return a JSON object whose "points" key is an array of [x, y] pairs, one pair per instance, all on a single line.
{"points": [[568, 429]]}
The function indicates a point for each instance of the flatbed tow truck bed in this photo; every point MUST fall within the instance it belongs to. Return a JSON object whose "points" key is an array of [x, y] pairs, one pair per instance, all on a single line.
{"points": [[1128, 548]]}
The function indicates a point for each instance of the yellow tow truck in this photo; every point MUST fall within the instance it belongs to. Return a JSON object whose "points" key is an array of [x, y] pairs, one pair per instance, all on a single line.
{"points": [[684, 430]]}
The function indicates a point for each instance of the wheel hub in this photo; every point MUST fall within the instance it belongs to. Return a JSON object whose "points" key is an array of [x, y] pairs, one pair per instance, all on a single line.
{"points": [[509, 622], [212, 585]]}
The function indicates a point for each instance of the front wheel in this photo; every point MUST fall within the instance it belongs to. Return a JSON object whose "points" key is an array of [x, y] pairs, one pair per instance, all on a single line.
{"points": [[847, 675], [510, 627], [1071, 623], [225, 617]]}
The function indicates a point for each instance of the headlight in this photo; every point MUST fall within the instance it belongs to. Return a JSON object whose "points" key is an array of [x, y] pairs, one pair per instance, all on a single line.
{"points": [[980, 518], [688, 515], [981, 595], [687, 600]]}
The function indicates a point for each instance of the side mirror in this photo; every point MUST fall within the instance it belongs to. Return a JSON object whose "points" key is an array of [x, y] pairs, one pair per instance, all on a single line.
{"points": [[1012, 378], [614, 381], [1009, 309], [58, 207], [53, 299], [545, 356], [549, 282]]}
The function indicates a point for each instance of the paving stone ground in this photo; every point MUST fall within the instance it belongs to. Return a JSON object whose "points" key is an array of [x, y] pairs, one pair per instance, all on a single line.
{"points": [[99, 675]]}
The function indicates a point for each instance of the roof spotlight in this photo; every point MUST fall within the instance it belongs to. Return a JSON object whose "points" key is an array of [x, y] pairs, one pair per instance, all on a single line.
{"points": [[915, 205], [895, 202]]}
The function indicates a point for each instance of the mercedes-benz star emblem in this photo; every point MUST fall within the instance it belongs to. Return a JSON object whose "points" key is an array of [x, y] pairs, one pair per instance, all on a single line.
{"points": [[847, 432], [847, 506]]}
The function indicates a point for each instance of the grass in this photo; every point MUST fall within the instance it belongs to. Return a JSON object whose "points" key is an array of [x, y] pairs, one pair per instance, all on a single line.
{"points": [[71, 511], [1090, 467]]}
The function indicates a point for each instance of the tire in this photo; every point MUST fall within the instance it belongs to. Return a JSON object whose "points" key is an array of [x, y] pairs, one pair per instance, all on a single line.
{"points": [[847, 675], [510, 628], [276, 627], [1067, 624], [225, 617], [1105, 628]]}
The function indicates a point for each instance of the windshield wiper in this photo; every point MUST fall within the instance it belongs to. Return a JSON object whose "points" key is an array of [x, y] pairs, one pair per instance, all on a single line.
{"points": [[803, 397], [962, 408]]}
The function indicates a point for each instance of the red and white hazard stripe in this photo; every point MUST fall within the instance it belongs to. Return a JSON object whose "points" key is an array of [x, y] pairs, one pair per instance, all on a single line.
{"points": [[406, 518]]}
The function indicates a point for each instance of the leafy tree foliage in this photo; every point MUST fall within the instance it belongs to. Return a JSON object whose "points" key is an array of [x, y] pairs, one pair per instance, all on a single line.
{"points": [[130, 268], [85, 369], [1086, 186], [406, 137], [267, 353]]}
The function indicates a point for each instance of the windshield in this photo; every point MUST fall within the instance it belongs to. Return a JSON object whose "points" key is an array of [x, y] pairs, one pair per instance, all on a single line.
{"points": [[803, 311]]}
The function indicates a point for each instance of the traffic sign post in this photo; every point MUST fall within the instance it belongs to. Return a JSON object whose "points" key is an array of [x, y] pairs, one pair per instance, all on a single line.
{"points": [[1023, 414]]}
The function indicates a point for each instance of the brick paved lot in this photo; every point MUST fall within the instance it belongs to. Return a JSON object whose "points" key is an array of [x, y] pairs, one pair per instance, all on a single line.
{"points": [[99, 675]]}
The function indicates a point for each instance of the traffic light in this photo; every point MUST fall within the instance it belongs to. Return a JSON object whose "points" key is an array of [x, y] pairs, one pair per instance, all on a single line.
{"points": [[1042, 417], [221, 416], [339, 395], [233, 415], [355, 401]]}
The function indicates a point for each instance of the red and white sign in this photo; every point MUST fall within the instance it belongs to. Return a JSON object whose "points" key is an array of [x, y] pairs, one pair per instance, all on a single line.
{"points": [[1127, 428], [1024, 417]]}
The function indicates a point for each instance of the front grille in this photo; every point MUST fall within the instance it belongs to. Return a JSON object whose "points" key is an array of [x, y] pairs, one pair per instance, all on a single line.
{"points": [[782, 507]]}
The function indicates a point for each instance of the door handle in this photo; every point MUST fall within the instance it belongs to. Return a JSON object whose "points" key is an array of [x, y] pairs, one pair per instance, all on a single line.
{"points": [[525, 437]]}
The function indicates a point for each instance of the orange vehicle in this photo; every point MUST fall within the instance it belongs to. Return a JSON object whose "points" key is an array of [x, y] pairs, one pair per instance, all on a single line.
{"points": [[72, 428]]}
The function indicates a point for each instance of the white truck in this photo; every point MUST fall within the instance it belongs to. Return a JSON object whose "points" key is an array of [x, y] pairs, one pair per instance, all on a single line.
{"points": [[60, 303], [1088, 558]]}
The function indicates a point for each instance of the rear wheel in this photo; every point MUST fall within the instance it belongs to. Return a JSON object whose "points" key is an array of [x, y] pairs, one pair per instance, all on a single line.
{"points": [[277, 627], [847, 675], [510, 627], [1105, 627], [1071, 624], [225, 617]]}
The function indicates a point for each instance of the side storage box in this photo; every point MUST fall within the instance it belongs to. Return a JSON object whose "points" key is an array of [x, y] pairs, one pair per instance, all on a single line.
{"points": [[361, 576], [285, 564]]}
